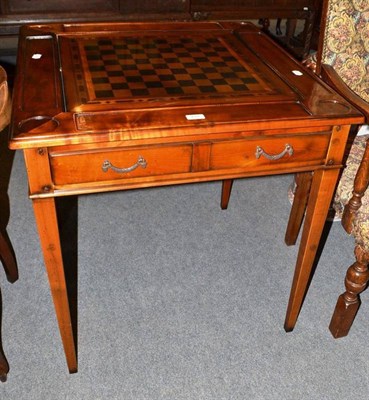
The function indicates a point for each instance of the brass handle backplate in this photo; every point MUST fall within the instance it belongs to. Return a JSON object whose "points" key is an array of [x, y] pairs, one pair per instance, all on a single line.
{"points": [[141, 162], [273, 157]]}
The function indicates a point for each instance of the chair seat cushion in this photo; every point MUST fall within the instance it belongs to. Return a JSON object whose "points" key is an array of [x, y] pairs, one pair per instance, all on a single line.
{"points": [[344, 192]]}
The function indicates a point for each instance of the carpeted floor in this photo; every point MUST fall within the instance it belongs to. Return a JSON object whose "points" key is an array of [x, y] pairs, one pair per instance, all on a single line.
{"points": [[181, 300]]}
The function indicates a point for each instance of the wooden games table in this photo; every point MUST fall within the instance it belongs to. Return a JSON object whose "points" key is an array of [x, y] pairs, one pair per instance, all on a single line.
{"points": [[104, 107]]}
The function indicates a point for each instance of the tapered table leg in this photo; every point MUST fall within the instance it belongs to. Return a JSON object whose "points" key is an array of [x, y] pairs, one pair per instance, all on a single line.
{"points": [[321, 193], [8, 258], [47, 224], [303, 184], [226, 193]]}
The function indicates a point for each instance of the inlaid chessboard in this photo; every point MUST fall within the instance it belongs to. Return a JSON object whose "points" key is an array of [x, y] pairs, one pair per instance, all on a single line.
{"points": [[156, 67]]}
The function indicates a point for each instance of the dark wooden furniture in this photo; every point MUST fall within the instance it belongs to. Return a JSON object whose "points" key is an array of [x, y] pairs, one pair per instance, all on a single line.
{"points": [[265, 9], [6, 251], [14, 13], [136, 105]]}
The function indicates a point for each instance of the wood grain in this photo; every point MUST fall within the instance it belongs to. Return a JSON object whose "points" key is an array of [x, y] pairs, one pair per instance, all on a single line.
{"points": [[283, 123]]}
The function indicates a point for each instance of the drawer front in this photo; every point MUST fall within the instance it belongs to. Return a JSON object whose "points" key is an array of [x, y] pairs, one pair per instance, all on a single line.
{"points": [[267, 153], [118, 164]]}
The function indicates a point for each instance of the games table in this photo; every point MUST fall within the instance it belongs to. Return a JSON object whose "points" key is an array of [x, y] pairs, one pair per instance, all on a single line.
{"points": [[105, 107]]}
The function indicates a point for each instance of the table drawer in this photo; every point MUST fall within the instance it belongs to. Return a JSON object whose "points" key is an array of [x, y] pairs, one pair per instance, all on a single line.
{"points": [[115, 164], [266, 153]]}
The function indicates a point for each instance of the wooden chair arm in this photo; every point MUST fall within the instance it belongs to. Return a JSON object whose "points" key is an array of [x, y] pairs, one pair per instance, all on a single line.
{"points": [[361, 181], [330, 76]]}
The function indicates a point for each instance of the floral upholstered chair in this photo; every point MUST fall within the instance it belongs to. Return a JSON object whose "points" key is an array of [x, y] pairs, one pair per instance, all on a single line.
{"points": [[342, 61], [346, 50]]}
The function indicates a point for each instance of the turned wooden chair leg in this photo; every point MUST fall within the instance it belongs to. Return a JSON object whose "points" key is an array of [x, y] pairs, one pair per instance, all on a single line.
{"points": [[11, 270], [361, 183], [226, 193], [357, 276], [265, 22], [290, 29], [348, 303], [278, 29], [8, 258], [4, 366], [301, 195]]}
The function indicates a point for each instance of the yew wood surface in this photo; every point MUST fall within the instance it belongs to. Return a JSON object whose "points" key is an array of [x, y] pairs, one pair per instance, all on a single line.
{"points": [[81, 103]]}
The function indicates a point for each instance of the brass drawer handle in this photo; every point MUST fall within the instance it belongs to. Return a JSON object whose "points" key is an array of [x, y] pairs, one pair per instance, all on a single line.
{"points": [[141, 162], [260, 152]]}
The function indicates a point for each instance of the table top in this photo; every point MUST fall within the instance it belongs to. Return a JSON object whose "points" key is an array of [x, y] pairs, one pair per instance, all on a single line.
{"points": [[87, 83]]}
